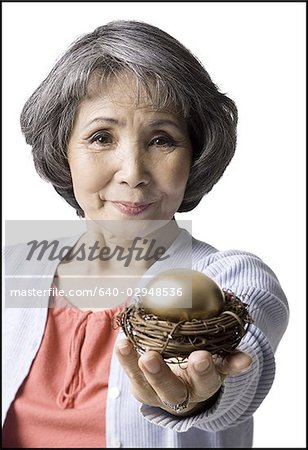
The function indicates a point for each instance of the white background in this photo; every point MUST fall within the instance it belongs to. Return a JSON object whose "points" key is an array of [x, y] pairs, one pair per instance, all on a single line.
{"points": [[254, 52]]}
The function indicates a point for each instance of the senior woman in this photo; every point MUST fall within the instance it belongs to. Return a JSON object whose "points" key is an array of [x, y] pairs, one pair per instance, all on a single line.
{"points": [[129, 129]]}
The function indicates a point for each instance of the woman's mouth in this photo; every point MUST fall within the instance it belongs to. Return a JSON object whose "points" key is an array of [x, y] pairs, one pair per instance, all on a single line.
{"points": [[130, 208]]}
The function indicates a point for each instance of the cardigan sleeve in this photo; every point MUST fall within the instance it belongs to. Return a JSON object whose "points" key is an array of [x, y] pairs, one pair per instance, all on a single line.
{"points": [[256, 284]]}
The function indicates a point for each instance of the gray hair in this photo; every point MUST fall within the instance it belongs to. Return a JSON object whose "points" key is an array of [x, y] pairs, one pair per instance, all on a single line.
{"points": [[170, 75]]}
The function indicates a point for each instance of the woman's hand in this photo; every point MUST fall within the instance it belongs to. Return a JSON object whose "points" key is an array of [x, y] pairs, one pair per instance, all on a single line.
{"points": [[156, 383]]}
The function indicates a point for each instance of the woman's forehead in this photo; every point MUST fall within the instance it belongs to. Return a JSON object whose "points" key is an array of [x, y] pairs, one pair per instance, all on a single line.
{"points": [[102, 110], [126, 90]]}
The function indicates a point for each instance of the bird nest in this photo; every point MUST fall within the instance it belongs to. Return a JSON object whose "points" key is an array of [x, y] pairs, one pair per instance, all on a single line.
{"points": [[176, 340]]}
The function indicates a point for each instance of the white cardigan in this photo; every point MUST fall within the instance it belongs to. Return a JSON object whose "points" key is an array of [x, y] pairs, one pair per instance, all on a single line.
{"points": [[129, 423]]}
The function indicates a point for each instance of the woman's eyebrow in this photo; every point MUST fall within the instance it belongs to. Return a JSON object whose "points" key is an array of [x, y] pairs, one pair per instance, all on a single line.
{"points": [[162, 122], [104, 119], [152, 124]]}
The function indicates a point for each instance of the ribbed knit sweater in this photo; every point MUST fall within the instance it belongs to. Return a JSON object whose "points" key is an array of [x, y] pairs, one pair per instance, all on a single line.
{"points": [[229, 422]]}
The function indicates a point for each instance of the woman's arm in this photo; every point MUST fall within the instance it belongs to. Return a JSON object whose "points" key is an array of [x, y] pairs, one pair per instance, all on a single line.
{"points": [[242, 391]]}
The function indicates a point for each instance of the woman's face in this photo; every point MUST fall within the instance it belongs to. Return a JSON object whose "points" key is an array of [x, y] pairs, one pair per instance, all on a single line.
{"points": [[127, 160]]}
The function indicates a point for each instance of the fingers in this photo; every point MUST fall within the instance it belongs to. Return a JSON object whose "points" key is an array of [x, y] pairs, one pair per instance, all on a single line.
{"points": [[140, 388], [153, 382], [204, 378], [129, 359], [207, 373], [200, 377], [168, 386], [234, 364]]}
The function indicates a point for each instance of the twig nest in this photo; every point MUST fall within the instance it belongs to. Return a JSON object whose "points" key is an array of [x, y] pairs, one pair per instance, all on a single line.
{"points": [[193, 314]]}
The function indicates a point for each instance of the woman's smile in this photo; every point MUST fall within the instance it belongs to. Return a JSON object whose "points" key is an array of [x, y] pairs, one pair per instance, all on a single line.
{"points": [[131, 209]]}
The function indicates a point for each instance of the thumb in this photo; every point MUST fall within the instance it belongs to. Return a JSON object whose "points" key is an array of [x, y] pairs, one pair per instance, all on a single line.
{"points": [[234, 364]]}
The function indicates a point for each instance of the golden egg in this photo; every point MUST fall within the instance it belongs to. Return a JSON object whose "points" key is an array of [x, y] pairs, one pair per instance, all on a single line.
{"points": [[182, 294]]}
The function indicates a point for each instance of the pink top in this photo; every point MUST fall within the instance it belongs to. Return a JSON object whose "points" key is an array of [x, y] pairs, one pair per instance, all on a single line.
{"points": [[62, 401]]}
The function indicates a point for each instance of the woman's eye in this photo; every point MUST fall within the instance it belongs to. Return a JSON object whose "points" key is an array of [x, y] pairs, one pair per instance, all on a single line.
{"points": [[163, 141], [101, 138]]}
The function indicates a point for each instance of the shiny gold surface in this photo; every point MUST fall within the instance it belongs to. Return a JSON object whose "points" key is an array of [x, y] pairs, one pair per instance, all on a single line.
{"points": [[182, 294]]}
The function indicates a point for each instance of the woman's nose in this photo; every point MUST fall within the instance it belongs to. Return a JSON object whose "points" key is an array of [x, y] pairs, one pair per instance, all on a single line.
{"points": [[133, 169]]}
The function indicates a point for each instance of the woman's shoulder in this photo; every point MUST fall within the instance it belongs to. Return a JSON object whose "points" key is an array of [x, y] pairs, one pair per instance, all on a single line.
{"points": [[35, 253], [231, 263], [239, 270], [230, 258], [206, 254]]}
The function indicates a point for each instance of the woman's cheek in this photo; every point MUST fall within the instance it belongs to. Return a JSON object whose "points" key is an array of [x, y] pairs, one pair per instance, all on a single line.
{"points": [[175, 173], [89, 174]]}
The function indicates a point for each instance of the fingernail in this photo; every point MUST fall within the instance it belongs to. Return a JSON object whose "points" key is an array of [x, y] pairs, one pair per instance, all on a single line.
{"points": [[152, 365], [201, 366], [124, 348]]}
